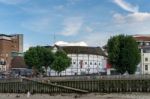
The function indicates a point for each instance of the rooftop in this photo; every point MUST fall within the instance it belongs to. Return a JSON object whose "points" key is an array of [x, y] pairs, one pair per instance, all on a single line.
{"points": [[18, 62], [142, 38], [80, 50], [5, 35]]}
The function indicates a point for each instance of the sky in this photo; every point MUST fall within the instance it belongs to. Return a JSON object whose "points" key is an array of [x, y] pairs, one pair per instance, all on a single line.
{"points": [[44, 22]]}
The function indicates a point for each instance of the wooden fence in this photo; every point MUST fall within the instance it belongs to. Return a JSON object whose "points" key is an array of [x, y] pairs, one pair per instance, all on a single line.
{"points": [[108, 86], [72, 86], [25, 85]]}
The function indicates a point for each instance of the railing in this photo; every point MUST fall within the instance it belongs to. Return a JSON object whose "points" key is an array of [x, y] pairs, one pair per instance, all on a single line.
{"points": [[128, 83], [10, 80], [108, 77]]}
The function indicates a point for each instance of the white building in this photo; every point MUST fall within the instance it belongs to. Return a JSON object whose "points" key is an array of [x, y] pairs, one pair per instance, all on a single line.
{"points": [[144, 47], [145, 60], [85, 60]]}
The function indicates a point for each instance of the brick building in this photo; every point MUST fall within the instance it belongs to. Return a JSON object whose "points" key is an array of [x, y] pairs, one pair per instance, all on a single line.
{"points": [[9, 44]]}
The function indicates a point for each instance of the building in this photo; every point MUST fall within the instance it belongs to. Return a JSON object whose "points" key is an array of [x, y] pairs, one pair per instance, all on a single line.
{"points": [[9, 44], [144, 47], [18, 63], [85, 60], [19, 68]]}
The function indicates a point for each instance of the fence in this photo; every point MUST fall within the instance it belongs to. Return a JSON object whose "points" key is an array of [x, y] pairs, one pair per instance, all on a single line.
{"points": [[108, 77], [109, 85], [23, 86], [106, 84]]}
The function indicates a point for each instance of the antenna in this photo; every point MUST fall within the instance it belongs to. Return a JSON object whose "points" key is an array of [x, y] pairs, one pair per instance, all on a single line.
{"points": [[54, 39]]}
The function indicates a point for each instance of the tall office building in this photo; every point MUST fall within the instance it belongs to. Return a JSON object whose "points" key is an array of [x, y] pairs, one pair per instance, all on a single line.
{"points": [[9, 44]]}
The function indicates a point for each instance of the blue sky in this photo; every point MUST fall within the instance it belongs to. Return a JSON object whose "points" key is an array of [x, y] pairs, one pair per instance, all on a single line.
{"points": [[91, 21]]}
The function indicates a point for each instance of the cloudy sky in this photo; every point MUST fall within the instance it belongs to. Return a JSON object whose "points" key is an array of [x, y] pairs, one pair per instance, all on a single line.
{"points": [[90, 21]]}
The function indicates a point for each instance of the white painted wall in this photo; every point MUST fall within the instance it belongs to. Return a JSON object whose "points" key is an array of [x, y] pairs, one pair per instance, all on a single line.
{"points": [[145, 63], [90, 64]]}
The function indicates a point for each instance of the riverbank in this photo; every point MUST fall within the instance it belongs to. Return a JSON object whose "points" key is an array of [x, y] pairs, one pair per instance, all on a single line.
{"points": [[77, 96]]}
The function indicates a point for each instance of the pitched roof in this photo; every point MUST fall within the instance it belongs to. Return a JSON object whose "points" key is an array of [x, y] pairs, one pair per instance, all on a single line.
{"points": [[80, 50], [142, 38], [18, 62]]}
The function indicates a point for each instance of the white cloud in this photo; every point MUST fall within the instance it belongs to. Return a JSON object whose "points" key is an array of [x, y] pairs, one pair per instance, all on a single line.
{"points": [[12, 2], [96, 38], [129, 25], [134, 16], [118, 18], [139, 16], [126, 6], [72, 26], [63, 43]]}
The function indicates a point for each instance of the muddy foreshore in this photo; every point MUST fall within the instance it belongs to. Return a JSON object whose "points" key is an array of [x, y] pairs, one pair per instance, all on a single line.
{"points": [[77, 96]]}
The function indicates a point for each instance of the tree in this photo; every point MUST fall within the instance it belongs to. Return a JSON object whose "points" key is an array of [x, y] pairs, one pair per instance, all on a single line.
{"points": [[123, 53], [37, 57], [61, 62], [48, 58]]}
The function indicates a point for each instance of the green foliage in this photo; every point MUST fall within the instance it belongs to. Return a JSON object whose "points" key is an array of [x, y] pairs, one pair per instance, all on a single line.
{"points": [[61, 62], [123, 53], [36, 57], [48, 57]]}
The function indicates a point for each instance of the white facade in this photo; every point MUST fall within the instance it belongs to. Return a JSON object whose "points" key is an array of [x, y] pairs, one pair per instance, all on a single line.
{"points": [[83, 64], [144, 46], [145, 61]]}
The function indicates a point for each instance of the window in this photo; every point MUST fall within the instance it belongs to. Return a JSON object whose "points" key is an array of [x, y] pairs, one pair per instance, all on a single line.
{"points": [[2, 62], [85, 63], [74, 62], [146, 67], [90, 63], [146, 59]]}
